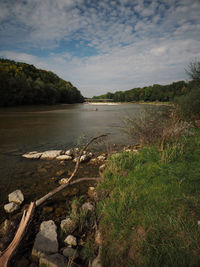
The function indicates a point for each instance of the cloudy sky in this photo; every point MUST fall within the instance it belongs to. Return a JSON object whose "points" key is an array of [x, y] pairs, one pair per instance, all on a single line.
{"points": [[103, 45]]}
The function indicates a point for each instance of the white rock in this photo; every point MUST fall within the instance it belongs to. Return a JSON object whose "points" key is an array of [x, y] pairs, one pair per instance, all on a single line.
{"points": [[46, 240], [51, 154], [63, 180], [16, 197], [87, 206], [101, 158], [32, 155], [69, 152], [70, 240], [64, 157], [10, 207], [54, 260]]}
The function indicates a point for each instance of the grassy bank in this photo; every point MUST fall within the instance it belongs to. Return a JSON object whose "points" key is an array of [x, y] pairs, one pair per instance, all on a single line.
{"points": [[150, 206]]}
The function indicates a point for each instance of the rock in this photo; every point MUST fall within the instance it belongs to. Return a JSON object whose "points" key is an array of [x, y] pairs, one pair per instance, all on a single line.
{"points": [[64, 157], [55, 260], [46, 240], [42, 170], [97, 262], [32, 155], [51, 154], [102, 168], [68, 225], [101, 158], [6, 226], [87, 206], [69, 152], [16, 197], [70, 240], [10, 207], [98, 238], [70, 252], [61, 172], [63, 180], [92, 193]]}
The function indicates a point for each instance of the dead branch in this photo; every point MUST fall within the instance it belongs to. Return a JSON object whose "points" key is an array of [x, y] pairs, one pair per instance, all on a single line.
{"points": [[26, 217]]}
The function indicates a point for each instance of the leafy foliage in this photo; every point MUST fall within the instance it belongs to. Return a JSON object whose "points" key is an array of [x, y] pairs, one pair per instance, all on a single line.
{"points": [[150, 93], [23, 84]]}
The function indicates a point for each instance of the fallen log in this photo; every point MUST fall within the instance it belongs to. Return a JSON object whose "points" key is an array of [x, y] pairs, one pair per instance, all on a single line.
{"points": [[29, 213]]}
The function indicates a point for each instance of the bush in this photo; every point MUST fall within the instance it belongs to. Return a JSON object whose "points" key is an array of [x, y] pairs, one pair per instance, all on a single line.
{"points": [[189, 105], [156, 127]]}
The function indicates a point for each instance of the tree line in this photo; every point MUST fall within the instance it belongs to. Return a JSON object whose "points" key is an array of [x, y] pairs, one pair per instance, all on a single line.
{"points": [[155, 92], [24, 84]]}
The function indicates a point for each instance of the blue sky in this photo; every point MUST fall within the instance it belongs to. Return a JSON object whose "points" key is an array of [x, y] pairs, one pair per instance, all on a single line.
{"points": [[103, 45]]}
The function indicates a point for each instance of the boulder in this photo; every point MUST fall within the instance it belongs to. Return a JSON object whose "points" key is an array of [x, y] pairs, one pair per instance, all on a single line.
{"points": [[10, 207], [64, 157], [70, 240], [51, 154], [70, 252], [54, 260], [46, 240], [102, 168], [32, 155], [16, 197], [68, 225], [69, 152], [87, 207]]}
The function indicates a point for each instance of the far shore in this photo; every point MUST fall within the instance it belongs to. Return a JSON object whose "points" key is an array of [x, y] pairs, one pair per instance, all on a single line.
{"points": [[120, 103]]}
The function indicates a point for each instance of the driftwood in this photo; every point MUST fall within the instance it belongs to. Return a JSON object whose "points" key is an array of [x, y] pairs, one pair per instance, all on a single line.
{"points": [[28, 214]]}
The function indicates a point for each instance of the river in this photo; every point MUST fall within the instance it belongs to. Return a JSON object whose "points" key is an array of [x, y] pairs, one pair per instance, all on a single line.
{"points": [[40, 128]]}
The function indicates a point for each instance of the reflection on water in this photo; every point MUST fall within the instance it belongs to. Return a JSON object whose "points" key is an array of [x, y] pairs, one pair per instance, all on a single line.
{"points": [[24, 129]]}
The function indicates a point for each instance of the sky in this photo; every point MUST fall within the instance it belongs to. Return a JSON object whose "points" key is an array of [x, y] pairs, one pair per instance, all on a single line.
{"points": [[103, 45]]}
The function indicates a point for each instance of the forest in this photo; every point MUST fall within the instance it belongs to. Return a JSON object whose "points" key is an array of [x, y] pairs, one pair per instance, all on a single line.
{"points": [[155, 92], [24, 84]]}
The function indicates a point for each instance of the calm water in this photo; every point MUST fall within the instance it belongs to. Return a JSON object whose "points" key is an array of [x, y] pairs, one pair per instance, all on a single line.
{"points": [[25, 129]]}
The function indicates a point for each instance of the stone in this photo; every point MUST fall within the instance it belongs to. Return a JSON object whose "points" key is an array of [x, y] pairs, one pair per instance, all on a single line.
{"points": [[59, 173], [87, 206], [51, 154], [10, 207], [70, 252], [70, 240], [16, 197], [54, 260], [92, 193], [102, 168], [42, 170], [63, 180], [101, 158], [64, 157], [6, 226], [68, 225], [46, 240], [32, 155], [98, 238], [69, 152]]}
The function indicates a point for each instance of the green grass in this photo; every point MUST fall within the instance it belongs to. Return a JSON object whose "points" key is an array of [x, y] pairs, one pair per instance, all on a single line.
{"points": [[150, 207]]}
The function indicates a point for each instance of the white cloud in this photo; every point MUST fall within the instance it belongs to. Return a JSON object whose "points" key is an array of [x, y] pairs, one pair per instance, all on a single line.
{"points": [[137, 42]]}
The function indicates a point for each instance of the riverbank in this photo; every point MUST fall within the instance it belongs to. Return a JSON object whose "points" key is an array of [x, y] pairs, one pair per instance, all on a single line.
{"points": [[149, 206]]}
